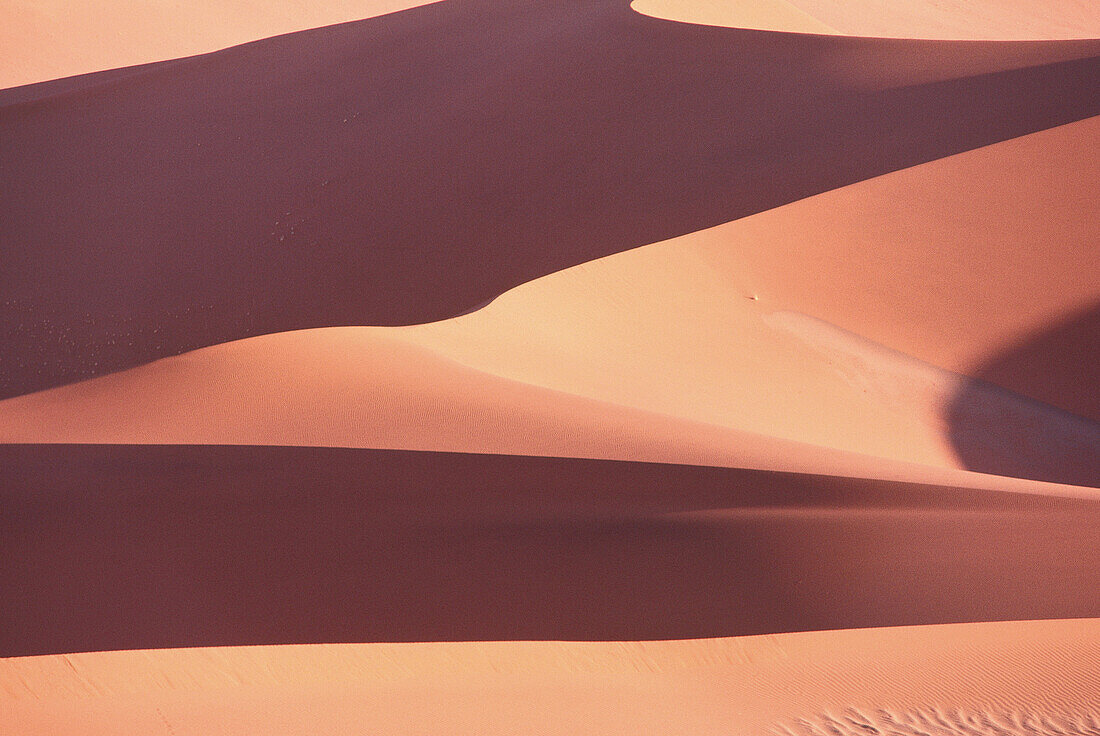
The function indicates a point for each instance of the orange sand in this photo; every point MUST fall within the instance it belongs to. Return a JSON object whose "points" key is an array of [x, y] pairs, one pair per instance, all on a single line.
{"points": [[931, 19], [1016, 673], [97, 35], [725, 329], [915, 326]]}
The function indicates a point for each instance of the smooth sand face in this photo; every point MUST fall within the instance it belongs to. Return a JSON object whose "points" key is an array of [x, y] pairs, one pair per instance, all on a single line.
{"points": [[396, 184], [930, 19], [1037, 678], [168, 546], [726, 330], [895, 329], [50, 39]]}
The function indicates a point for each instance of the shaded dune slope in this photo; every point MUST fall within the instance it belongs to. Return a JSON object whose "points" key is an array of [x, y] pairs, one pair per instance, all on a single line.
{"points": [[383, 388], [366, 173], [118, 547], [1036, 678], [729, 346]]}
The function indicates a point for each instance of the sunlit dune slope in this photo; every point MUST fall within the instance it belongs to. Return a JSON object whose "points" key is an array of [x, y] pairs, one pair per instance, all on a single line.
{"points": [[403, 169], [1035, 678], [931, 19], [767, 327], [49, 39], [135, 547], [961, 264]]}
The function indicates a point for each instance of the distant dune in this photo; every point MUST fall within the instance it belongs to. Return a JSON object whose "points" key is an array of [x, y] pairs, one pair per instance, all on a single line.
{"points": [[49, 39], [1016, 20]]}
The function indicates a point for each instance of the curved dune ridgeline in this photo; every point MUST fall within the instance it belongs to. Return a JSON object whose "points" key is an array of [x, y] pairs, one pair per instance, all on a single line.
{"points": [[550, 366], [859, 320], [367, 173], [42, 40]]}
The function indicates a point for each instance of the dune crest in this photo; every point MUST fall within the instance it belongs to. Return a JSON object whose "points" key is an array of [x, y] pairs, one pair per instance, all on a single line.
{"points": [[550, 366], [692, 333], [97, 35], [978, 20]]}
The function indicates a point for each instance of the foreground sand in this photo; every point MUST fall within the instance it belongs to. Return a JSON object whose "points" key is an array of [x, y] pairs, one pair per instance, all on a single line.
{"points": [[1035, 678]]}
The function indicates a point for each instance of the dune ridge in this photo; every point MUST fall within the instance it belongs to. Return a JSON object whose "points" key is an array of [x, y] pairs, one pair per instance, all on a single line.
{"points": [[100, 35], [700, 348], [229, 195], [550, 366]]}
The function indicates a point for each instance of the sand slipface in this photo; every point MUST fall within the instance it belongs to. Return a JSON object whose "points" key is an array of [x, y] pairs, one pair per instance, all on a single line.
{"points": [[414, 190], [700, 348], [675, 366]]}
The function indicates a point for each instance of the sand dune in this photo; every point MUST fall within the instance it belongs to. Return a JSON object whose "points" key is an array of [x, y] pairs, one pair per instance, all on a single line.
{"points": [[930, 19], [124, 547], [541, 366], [96, 35], [204, 200], [700, 348], [369, 387], [1034, 678]]}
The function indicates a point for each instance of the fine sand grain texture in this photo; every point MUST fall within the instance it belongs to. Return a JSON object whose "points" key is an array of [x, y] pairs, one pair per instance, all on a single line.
{"points": [[1024, 678]]}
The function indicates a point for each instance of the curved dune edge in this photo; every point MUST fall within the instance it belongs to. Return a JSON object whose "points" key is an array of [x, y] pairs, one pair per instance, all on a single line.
{"points": [[107, 34], [1012, 671], [949, 262], [696, 350], [954, 20], [365, 387]]}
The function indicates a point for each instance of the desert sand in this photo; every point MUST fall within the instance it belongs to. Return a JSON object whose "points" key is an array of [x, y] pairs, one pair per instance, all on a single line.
{"points": [[1037, 678], [1016, 20], [552, 367], [100, 35], [726, 327]]}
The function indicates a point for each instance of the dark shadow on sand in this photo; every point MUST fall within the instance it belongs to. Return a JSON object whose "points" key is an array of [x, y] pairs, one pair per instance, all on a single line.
{"points": [[119, 547], [1048, 426], [406, 168]]}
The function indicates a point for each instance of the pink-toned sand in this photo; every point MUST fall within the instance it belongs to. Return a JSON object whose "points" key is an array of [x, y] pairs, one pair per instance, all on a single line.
{"points": [[931, 19], [709, 343], [1036, 678], [49, 39], [868, 396]]}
